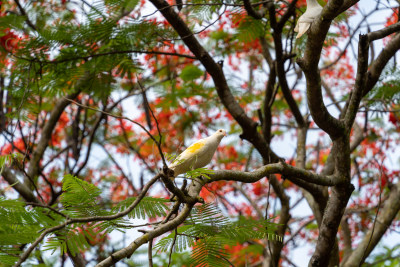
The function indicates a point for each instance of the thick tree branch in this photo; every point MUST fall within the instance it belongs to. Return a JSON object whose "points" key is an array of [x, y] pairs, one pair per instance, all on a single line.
{"points": [[356, 95], [21, 188], [250, 10], [309, 64], [374, 235], [372, 36], [330, 222], [380, 62], [289, 172]]}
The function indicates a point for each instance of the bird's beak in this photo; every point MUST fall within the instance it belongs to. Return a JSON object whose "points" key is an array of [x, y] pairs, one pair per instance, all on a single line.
{"points": [[225, 134]]}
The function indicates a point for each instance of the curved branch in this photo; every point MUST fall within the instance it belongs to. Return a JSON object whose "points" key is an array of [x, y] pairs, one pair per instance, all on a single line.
{"points": [[21, 188], [289, 172], [309, 64], [356, 94]]}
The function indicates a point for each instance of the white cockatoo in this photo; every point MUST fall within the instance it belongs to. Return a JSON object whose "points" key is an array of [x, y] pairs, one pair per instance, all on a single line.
{"points": [[198, 154], [313, 10]]}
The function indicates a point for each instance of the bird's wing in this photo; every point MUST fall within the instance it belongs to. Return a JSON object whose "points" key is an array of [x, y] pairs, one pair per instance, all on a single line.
{"points": [[194, 150]]}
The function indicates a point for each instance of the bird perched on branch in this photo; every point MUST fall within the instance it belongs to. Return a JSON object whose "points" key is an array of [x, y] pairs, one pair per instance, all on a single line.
{"points": [[198, 154], [313, 10]]}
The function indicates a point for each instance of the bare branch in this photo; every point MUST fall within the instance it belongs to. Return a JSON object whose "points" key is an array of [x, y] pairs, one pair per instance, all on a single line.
{"points": [[250, 10], [21, 188], [289, 172], [372, 36], [123, 118], [376, 67], [105, 54]]}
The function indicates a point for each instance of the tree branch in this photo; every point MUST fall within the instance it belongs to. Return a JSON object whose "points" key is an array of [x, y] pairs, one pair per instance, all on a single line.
{"points": [[105, 54], [289, 172], [23, 13], [21, 188], [372, 36], [330, 222], [250, 10], [380, 62], [356, 95], [316, 37], [193, 191], [374, 235], [37, 155]]}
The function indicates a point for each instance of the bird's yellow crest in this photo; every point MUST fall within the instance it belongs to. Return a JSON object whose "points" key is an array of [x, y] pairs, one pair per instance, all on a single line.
{"points": [[196, 146]]}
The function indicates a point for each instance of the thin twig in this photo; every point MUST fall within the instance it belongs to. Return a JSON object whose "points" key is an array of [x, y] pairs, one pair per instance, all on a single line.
{"points": [[377, 211], [104, 54], [47, 207], [157, 124], [122, 118], [172, 247], [150, 253]]}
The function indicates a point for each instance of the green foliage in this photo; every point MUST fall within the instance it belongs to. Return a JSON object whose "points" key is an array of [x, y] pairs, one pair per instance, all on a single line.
{"points": [[386, 91], [21, 225], [250, 29], [388, 257], [72, 240], [207, 231], [80, 198], [5, 160], [190, 73], [148, 207], [199, 172]]}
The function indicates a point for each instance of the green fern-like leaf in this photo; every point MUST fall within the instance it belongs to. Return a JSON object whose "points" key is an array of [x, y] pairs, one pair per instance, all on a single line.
{"points": [[72, 240], [199, 172], [21, 225], [81, 198], [207, 231], [148, 207]]}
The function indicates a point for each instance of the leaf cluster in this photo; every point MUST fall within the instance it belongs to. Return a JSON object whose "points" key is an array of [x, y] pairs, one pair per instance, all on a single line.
{"points": [[20, 225], [207, 231]]}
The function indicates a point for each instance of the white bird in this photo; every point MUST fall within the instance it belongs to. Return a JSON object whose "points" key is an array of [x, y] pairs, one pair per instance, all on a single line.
{"points": [[197, 155], [313, 10]]}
